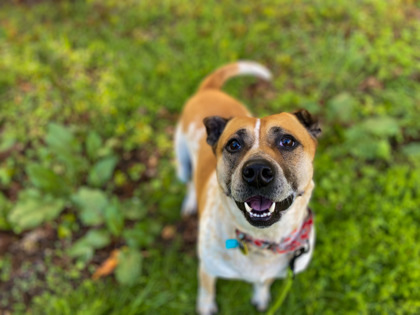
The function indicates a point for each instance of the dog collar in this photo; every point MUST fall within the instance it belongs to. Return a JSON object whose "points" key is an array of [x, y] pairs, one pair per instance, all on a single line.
{"points": [[297, 239]]}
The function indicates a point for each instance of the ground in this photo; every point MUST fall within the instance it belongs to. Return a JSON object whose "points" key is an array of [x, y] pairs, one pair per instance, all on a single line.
{"points": [[90, 93]]}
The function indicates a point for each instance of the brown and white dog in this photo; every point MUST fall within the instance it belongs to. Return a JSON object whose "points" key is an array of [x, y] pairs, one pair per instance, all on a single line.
{"points": [[251, 180]]}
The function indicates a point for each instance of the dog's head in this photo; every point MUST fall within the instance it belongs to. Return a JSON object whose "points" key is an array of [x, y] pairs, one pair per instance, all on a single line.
{"points": [[263, 164]]}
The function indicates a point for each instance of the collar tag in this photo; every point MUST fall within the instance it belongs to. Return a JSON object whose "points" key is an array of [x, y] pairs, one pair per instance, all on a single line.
{"points": [[232, 243]]}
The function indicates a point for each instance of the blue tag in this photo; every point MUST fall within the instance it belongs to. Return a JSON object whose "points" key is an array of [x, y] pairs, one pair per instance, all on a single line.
{"points": [[231, 243]]}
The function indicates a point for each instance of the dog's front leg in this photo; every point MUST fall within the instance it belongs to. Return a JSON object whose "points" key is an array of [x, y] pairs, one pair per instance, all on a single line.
{"points": [[206, 304], [261, 296]]}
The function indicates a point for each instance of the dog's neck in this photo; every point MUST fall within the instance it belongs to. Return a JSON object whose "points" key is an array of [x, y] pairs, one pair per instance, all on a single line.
{"points": [[290, 220]]}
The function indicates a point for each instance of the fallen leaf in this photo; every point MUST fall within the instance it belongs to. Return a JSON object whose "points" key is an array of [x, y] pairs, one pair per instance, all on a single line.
{"points": [[371, 83], [107, 266], [30, 242], [168, 232]]}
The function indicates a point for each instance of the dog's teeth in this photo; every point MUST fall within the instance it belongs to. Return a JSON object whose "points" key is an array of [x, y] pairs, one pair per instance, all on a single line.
{"points": [[248, 208], [272, 208], [259, 215]]}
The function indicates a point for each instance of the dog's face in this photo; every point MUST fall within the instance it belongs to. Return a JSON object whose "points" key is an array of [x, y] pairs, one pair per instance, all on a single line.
{"points": [[263, 164]]}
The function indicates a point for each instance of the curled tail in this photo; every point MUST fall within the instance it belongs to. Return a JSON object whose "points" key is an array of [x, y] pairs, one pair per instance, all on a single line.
{"points": [[216, 79]]}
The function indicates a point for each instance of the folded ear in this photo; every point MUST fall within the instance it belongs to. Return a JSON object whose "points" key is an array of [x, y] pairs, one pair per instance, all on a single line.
{"points": [[310, 123], [214, 127]]}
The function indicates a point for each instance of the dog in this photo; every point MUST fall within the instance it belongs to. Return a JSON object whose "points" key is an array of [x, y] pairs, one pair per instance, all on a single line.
{"points": [[251, 181]]}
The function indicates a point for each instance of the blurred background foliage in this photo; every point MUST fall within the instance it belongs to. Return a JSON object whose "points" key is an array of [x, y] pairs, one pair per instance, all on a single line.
{"points": [[89, 96]]}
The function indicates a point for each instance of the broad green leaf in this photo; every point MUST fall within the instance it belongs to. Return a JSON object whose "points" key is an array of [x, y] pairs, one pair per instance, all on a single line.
{"points": [[369, 139], [341, 108], [381, 126], [82, 251], [32, 209], [129, 266], [91, 204], [97, 238], [356, 133], [62, 144], [5, 207], [135, 238], [46, 180], [93, 145], [6, 175], [101, 172], [367, 149], [114, 218], [60, 138], [6, 141], [143, 234], [412, 150], [133, 209], [85, 246]]}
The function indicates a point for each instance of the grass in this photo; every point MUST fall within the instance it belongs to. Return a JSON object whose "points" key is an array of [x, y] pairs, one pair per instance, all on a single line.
{"points": [[110, 78]]}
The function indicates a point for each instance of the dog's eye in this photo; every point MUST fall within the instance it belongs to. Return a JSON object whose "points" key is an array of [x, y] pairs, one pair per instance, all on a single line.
{"points": [[233, 146], [287, 142]]}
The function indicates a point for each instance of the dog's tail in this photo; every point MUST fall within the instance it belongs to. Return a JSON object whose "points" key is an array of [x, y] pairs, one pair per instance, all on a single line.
{"points": [[216, 79]]}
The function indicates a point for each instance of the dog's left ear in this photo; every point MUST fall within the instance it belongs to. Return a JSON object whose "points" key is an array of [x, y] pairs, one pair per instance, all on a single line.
{"points": [[310, 123], [214, 127]]}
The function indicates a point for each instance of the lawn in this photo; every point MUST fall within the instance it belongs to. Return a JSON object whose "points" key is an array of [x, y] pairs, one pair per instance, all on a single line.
{"points": [[89, 96]]}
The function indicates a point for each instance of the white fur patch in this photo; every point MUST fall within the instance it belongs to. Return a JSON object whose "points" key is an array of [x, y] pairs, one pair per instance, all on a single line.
{"points": [[254, 68], [189, 205], [257, 134], [182, 154], [194, 135]]}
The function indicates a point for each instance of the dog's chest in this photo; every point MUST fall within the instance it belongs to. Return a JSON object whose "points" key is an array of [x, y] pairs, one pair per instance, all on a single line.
{"points": [[232, 264], [215, 228]]}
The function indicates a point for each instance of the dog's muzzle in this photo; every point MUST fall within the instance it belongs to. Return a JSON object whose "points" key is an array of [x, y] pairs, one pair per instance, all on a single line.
{"points": [[258, 173], [259, 200]]}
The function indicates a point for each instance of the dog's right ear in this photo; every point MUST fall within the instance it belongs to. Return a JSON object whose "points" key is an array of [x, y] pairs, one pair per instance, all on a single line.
{"points": [[214, 127]]}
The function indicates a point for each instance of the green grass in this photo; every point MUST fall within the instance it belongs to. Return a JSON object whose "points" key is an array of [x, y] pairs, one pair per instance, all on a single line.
{"points": [[108, 78]]}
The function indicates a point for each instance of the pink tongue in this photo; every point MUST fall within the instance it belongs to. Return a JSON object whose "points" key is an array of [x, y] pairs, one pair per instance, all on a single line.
{"points": [[259, 203]]}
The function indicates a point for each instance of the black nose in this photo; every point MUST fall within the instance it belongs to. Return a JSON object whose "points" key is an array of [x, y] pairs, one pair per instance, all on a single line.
{"points": [[258, 173]]}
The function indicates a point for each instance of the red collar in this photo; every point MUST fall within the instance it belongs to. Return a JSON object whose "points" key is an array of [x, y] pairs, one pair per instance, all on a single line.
{"points": [[298, 238]]}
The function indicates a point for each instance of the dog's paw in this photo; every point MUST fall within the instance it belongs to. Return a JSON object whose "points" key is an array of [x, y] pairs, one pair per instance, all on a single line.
{"points": [[206, 308], [261, 298]]}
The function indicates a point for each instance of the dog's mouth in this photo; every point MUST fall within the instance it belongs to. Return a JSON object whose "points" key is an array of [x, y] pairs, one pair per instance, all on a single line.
{"points": [[262, 212]]}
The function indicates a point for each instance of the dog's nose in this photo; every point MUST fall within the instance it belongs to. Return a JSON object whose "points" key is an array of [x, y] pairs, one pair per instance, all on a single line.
{"points": [[258, 173]]}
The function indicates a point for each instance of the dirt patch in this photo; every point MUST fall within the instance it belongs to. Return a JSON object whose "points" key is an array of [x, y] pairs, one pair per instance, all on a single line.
{"points": [[24, 259], [260, 89], [188, 228], [30, 257]]}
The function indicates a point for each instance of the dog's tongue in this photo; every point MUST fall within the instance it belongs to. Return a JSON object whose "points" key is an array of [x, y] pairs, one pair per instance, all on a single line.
{"points": [[259, 203]]}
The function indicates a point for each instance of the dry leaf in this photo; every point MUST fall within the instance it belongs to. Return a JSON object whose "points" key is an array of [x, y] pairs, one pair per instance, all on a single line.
{"points": [[107, 266], [168, 232]]}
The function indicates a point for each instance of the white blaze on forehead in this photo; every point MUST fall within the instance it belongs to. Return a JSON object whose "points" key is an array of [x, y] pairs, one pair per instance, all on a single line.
{"points": [[257, 133]]}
